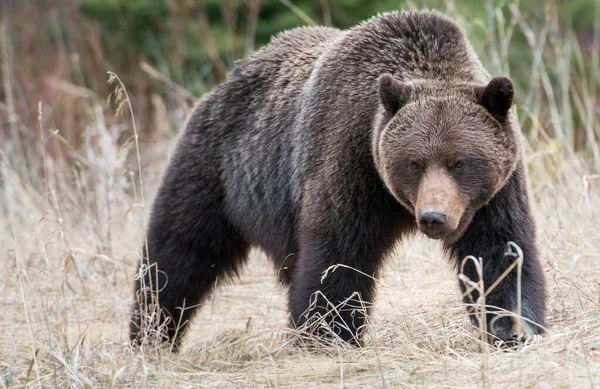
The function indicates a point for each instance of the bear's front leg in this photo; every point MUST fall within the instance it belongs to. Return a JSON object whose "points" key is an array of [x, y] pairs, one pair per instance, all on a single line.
{"points": [[342, 247], [329, 297], [506, 218]]}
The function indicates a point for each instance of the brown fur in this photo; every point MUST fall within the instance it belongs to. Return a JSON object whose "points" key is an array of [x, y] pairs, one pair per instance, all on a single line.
{"points": [[325, 148]]}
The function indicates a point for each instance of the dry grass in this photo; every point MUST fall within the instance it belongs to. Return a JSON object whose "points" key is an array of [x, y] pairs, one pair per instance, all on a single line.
{"points": [[71, 230]]}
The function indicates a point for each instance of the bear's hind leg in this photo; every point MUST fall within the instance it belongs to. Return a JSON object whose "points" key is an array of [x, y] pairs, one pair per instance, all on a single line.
{"points": [[191, 246], [183, 268]]}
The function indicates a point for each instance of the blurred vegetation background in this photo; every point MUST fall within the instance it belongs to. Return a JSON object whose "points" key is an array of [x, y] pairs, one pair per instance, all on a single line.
{"points": [[169, 52]]}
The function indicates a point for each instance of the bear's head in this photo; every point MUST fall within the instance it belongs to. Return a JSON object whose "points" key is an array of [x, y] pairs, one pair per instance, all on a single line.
{"points": [[443, 149]]}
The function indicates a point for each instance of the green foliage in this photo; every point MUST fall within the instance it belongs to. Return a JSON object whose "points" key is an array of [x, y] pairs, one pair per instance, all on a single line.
{"points": [[172, 35], [192, 41]]}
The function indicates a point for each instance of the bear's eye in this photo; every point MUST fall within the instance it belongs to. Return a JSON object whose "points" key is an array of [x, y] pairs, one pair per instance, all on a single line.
{"points": [[415, 166], [458, 165]]}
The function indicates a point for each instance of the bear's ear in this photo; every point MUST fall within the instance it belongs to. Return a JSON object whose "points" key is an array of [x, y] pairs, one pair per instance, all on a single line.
{"points": [[392, 93], [497, 96]]}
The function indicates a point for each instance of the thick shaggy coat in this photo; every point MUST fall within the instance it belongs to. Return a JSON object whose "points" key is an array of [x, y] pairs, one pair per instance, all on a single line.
{"points": [[326, 147]]}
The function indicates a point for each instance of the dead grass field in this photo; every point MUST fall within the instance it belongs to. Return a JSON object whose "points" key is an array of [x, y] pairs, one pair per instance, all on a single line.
{"points": [[71, 229]]}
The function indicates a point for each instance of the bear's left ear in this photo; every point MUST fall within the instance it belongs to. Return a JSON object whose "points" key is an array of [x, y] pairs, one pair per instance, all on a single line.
{"points": [[392, 93], [497, 96]]}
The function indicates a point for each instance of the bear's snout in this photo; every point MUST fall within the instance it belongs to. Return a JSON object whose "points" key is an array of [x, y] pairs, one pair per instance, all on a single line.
{"points": [[438, 205]]}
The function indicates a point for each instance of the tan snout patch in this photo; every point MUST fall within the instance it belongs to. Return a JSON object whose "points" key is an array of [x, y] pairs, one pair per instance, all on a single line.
{"points": [[438, 192]]}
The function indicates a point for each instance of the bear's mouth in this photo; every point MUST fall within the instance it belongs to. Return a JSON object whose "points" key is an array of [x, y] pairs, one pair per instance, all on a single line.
{"points": [[435, 235]]}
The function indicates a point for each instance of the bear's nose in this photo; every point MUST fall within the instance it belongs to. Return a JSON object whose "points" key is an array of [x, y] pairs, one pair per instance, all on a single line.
{"points": [[432, 219], [433, 224]]}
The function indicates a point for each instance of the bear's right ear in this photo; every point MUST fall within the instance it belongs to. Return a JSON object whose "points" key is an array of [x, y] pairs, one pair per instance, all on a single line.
{"points": [[392, 93]]}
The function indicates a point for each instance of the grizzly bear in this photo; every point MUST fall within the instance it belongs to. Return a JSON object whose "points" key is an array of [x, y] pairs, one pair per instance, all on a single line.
{"points": [[327, 147]]}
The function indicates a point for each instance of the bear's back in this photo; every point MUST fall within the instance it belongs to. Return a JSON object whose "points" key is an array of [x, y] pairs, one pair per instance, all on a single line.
{"points": [[412, 45]]}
